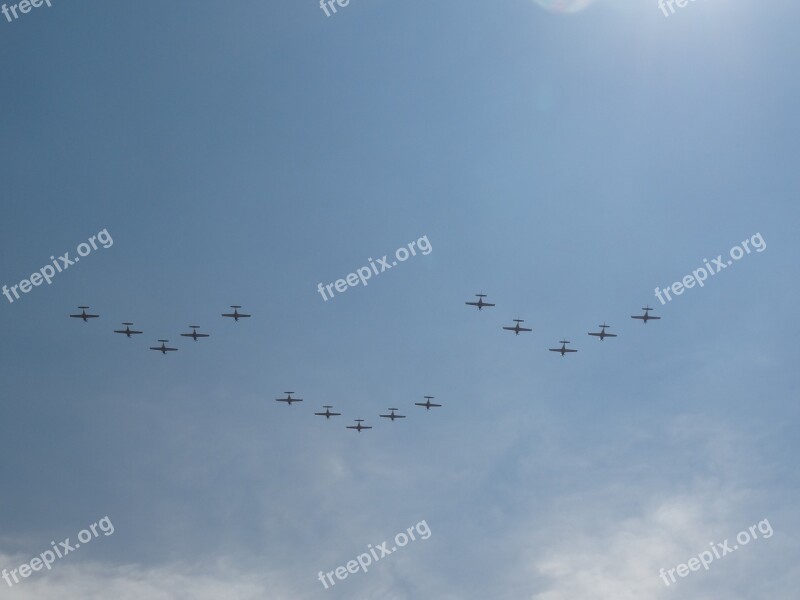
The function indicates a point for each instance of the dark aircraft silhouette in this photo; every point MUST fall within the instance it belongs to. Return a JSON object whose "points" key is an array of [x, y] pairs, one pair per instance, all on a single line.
{"points": [[480, 303], [163, 348], [327, 414], [127, 331], [236, 315], [602, 333], [194, 335], [83, 315], [646, 316], [288, 398], [563, 350], [392, 416], [358, 427], [427, 404], [516, 328]]}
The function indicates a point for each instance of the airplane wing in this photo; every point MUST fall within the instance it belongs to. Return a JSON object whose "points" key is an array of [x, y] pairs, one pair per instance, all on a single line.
{"points": [[568, 350], [525, 329], [472, 303], [597, 334], [640, 317], [611, 335], [513, 329], [554, 349], [435, 405], [654, 318], [487, 304]]}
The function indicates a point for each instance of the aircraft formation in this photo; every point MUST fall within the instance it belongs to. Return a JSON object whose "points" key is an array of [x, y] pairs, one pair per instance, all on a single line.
{"points": [[517, 328], [393, 415], [288, 400], [163, 348], [358, 427]]}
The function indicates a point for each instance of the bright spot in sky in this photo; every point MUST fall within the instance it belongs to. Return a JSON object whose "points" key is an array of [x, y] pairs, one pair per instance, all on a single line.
{"points": [[564, 6]]}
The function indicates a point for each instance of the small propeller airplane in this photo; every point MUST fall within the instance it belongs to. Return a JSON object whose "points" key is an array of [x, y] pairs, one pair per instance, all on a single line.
{"points": [[163, 348], [602, 334], [127, 331], [563, 350], [516, 328], [288, 398], [84, 315], [480, 303], [393, 416], [646, 316], [358, 427], [235, 315], [427, 404], [194, 335], [327, 414]]}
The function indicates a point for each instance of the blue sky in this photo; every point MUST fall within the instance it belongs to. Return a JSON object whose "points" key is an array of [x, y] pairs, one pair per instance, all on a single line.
{"points": [[565, 164]]}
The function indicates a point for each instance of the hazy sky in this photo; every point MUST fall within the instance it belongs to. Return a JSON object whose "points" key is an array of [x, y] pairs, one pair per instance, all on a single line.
{"points": [[566, 163]]}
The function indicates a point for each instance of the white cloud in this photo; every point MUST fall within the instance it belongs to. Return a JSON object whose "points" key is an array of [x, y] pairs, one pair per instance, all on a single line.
{"points": [[90, 581]]}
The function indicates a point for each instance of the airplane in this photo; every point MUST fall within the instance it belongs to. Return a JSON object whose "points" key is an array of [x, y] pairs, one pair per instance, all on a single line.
{"points": [[602, 334], [427, 404], [327, 414], [83, 315], [127, 331], [480, 303], [235, 314], [646, 316], [163, 348], [563, 348], [288, 398], [393, 416], [516, 329], [194, 335], [358, 427]]}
